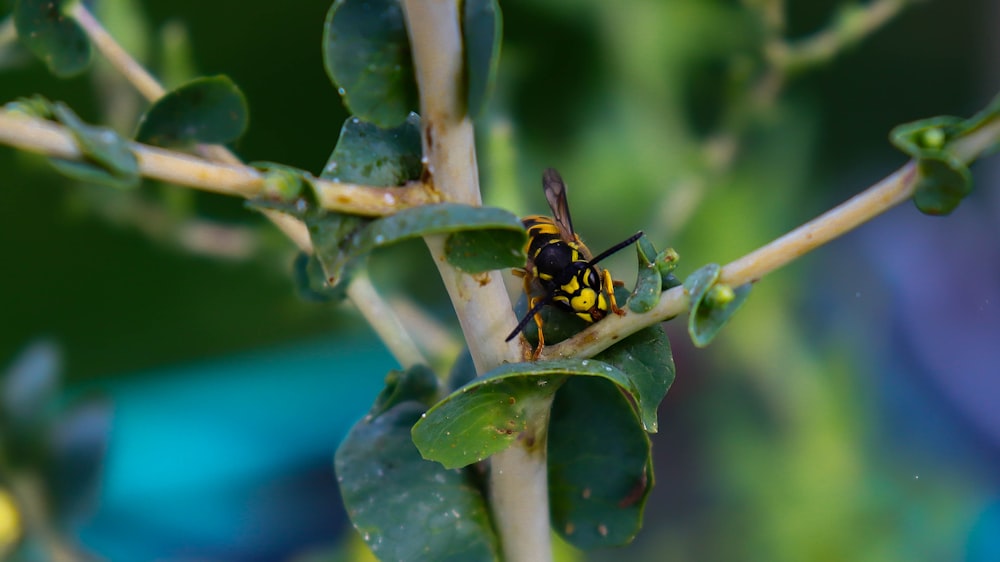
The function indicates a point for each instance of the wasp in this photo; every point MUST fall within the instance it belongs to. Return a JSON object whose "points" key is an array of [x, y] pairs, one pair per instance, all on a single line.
{"points": [[560, 270]]}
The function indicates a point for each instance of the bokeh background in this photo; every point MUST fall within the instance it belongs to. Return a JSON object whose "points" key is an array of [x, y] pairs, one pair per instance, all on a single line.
{"points": [[851, 411]]}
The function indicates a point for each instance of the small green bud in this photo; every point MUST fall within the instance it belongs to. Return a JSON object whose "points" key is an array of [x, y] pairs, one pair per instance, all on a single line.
{"points": [[720, 295], [282, 184], [667, 260], [933, 137]]}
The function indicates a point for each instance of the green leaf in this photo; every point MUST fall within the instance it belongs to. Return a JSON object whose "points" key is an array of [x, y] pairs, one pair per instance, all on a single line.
{"points": [[942, 185], [417, 383], [366, 53], [107, 157], [475, 251], [944, 180], [368, 154], [487, 415], [312, 283], [600, 467], [712, 305], [407, 508], [55, 38], [87, 172], [647, 361], [649, 282], [482, 31], [380, 157], [926, 137], [209, 110], [332, 235], [699, 282]]}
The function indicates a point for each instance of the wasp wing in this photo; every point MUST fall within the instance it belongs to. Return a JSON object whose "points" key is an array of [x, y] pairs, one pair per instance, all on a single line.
{"points": [[555, 194]]}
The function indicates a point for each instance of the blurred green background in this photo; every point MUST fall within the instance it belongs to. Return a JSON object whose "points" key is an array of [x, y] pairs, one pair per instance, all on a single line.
{"points": [[848, 413]]}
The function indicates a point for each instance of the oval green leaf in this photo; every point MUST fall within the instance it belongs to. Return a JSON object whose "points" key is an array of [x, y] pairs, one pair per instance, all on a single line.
{"points": [[482, 30], [487, 415], [107, 157], [209, 110], [649, 282], [475, 251], [54, 37], [376, 156], [600, 467], [943, 183], [405, 507], [438, 218], [366, 52], [417, 384], [707, 319], [646, 359]]}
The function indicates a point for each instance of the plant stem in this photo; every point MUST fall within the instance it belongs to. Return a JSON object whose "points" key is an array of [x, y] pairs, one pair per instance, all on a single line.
{"points": [[383, 319], [886, 194], [116, 55], [854, 24], [48, 138], [518, 476]]}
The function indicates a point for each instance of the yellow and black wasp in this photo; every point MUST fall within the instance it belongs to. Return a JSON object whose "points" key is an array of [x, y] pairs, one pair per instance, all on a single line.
{"points": [[560, 269]]}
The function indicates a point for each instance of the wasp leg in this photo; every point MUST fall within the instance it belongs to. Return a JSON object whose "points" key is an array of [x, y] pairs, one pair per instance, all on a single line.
{"points": [[541, 335], [610, 285]]}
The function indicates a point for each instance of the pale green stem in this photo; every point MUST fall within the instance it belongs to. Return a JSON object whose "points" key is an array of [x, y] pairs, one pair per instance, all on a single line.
{"points": [[518, 484], [854, 25], [383, 319]]}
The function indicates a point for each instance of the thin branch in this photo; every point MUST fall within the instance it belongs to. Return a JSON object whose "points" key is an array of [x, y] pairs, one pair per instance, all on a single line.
{"points": [[853, 25], [383, 319], [886, 194], [48, 138], [134, 72]]}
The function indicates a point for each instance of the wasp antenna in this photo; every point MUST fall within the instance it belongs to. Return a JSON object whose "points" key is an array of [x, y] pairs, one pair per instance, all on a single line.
{"points": [[527, 317], [616, 247]]}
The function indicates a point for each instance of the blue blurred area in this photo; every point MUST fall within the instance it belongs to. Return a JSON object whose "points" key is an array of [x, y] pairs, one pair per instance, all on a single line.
{"points": [[231, 459]]}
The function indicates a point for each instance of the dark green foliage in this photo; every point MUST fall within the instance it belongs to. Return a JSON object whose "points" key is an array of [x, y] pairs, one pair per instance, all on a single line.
{"points": [[107, 158], [486, 415], [210, 110], [366, 52], [600, 467], [376, 156], [55, 38], [500, 247], [712, 304], [654, 275], [646, 357], [417, 384], [944, 178], [405, 507], [482, 31]]}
